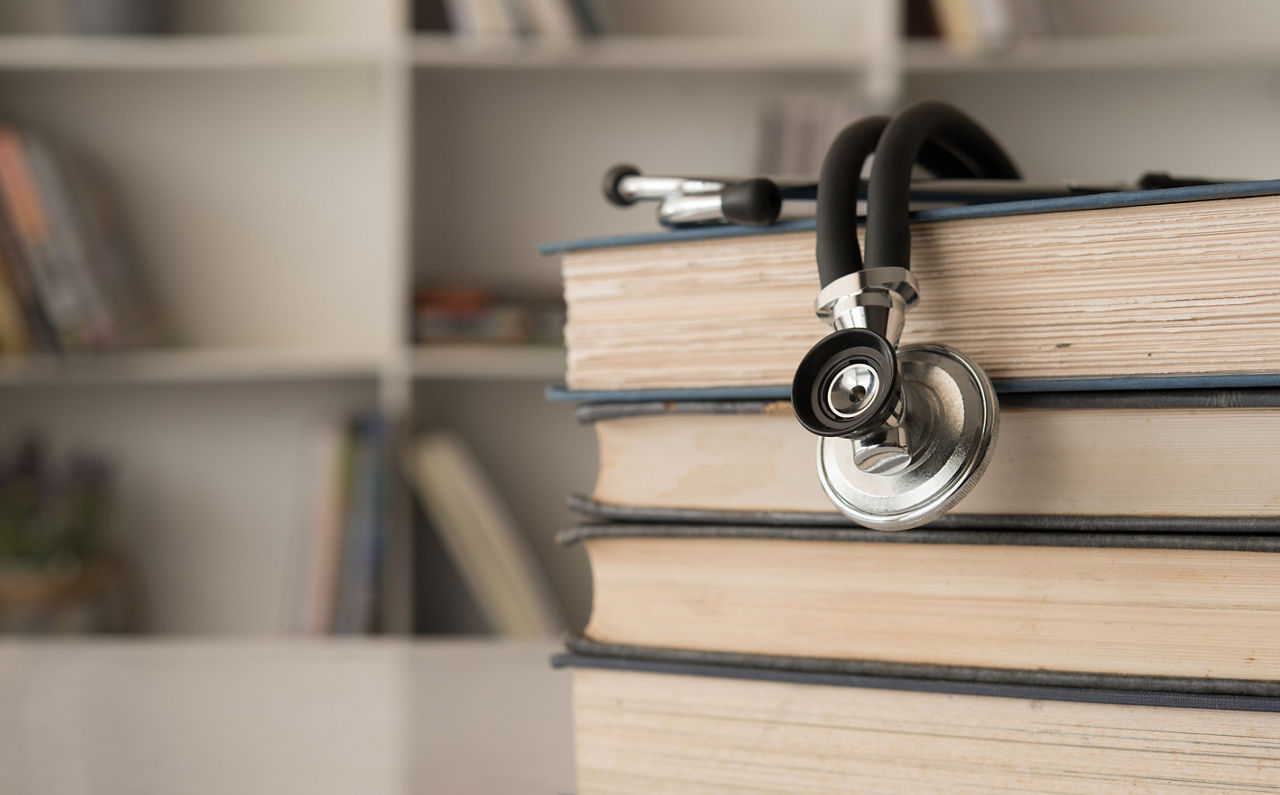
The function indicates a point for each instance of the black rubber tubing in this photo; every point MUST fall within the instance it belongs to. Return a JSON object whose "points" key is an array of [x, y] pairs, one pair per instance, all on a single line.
{"points": [[838, 183], [838, 253], [889, 194]]}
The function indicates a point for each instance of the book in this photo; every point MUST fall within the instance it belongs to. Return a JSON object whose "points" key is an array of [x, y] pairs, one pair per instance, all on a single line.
{"points": [[552, 19], [482, 538], [310, 602], [1134, 285], [365, 525], [67, 281], [52, 277], [644, 727], [14, 335], [1191, 613], [1161, 460], [66, 243]]}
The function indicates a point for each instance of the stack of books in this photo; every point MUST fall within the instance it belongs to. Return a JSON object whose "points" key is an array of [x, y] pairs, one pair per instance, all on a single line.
{"points": [[1102, 612]]}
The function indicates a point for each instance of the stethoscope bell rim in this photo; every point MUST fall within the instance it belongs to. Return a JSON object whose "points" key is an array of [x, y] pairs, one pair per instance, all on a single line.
{"points": [[953, 416]]}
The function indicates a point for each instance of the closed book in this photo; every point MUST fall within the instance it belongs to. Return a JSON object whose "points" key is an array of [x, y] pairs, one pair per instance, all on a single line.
{"points": [[68, 243], [648, 727], [32, 232], [1178, 282], [475, 527], [1184, 612], [41, 335], [14, 337], [1198, 460], [365, 523]]}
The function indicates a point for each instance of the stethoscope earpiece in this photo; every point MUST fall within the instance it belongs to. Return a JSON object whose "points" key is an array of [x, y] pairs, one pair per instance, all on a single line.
{"points": [[847, 381], [905, 432]]}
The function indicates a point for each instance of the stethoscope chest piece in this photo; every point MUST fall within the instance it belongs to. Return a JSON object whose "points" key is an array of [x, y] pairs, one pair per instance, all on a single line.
{"points": [[951, 417]]}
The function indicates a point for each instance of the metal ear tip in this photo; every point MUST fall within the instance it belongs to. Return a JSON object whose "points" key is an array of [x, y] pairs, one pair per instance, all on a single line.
{"points": [[952, 419], [848, 381]]}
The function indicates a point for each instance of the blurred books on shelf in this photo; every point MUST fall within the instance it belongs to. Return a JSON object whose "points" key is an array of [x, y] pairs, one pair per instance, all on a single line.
{"points": [[793, 131], [58, 570], [546, 19], [339, 575], [980, 25], [475, 315], [67, 283], [469, 517]]}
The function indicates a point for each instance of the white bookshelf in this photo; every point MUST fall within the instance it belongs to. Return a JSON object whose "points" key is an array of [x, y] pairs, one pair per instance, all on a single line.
{"points": [[289, 170], [1095, 54], [212, 366], [640, 54], [184, 52]]}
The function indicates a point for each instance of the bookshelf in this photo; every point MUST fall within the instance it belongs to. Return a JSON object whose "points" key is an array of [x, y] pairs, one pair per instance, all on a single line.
{"points": [[185, 52], [214, 366], [291, 170], [1095, 54], [639, 54]]}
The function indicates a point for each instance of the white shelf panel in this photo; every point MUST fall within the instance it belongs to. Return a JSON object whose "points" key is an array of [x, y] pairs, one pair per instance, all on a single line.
{"points": [[1093, 54], [185, 367], [167, 53], [480, 362], [648, 53]]}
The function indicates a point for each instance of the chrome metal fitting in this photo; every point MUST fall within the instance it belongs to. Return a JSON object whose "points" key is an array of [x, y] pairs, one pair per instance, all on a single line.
{"points": [[885, 449], [872, 298]]}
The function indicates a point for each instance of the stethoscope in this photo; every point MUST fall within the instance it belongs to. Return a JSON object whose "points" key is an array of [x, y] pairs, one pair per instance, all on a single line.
{"points": [[904, 432]]}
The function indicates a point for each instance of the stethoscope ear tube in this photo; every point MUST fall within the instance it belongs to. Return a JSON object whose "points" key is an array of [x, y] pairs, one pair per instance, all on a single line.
{"points": [[752, 202], [889, 195], [612, 184], [749, 202], [838, 252]]}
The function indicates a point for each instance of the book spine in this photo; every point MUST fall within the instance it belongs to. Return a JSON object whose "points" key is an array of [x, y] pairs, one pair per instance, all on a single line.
{"points": [[41, 334], [14, 337], [53, 285], [68, 244], [322, 508], [361, 565], [959, 24], [554, 19], [128, 299]]}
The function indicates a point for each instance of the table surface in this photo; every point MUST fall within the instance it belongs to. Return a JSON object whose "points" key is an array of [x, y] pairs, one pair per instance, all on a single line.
{"points": [[272, 716]]}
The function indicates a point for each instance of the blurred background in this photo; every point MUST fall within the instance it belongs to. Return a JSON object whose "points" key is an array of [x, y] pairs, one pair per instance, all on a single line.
{"points": [[275, 332]]}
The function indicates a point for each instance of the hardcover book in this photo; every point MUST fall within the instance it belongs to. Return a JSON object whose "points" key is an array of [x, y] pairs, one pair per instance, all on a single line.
{"points": [[1182, 613], [655, 727], [1198, 460], [1145, 284]]}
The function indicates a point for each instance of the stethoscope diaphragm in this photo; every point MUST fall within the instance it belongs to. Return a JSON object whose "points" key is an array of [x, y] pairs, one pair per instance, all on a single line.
{"points": [[951, 417]]}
